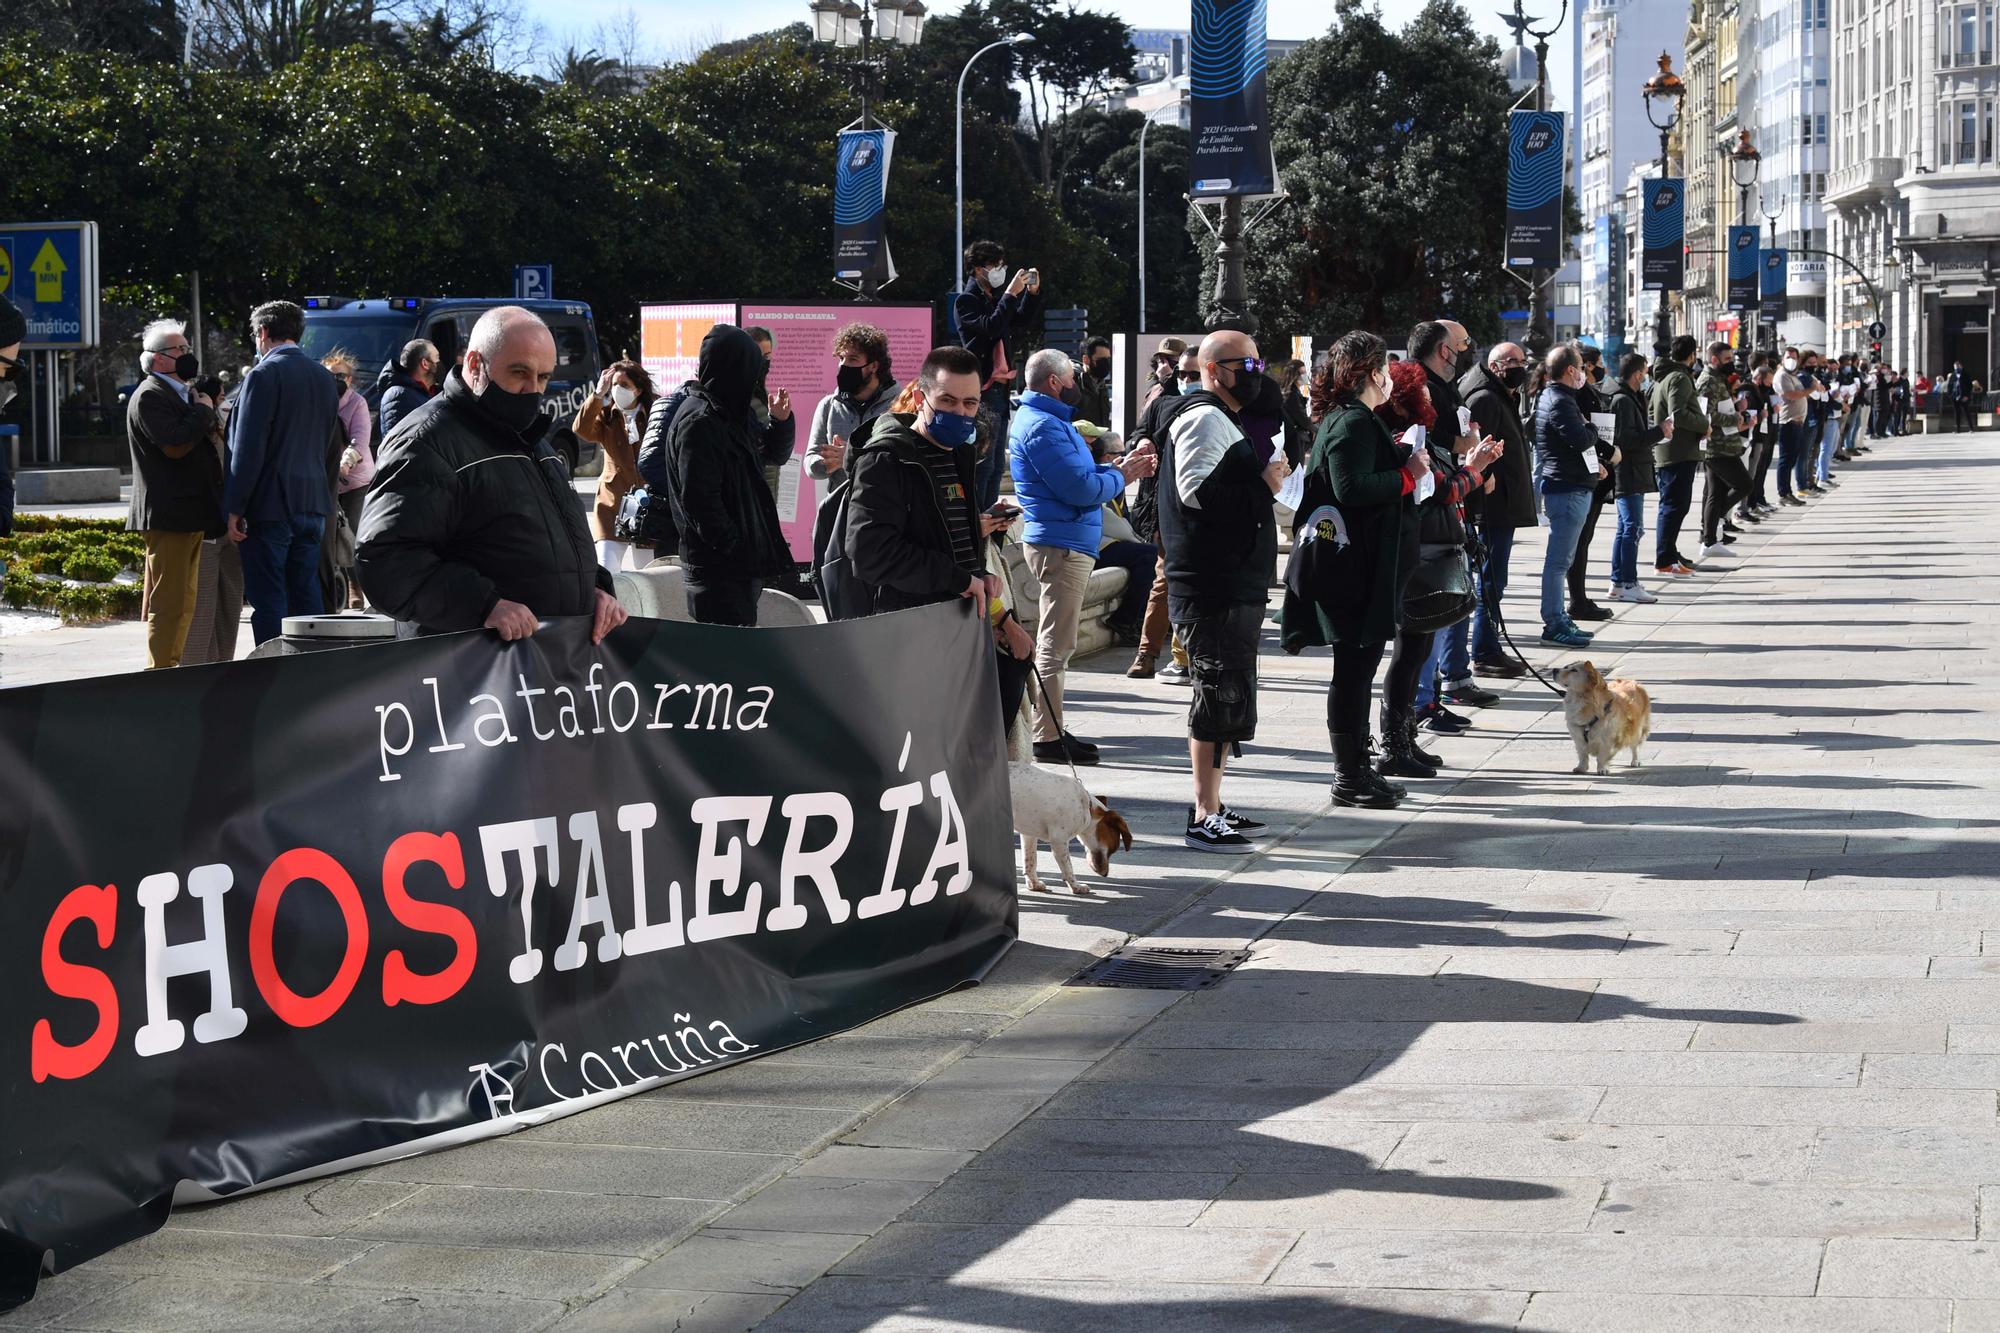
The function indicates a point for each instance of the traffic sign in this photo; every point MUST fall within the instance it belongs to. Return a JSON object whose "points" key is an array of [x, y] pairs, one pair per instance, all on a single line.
{"points": [[534, 282], [49, 271], [1878, 330]]}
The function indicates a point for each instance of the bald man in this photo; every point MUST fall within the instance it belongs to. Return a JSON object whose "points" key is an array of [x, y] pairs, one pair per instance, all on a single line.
{"points": [[1220, 541], [472, 522]]}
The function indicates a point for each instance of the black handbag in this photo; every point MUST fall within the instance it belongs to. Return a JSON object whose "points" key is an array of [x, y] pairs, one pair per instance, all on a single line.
{"points": [[1439, 592]]}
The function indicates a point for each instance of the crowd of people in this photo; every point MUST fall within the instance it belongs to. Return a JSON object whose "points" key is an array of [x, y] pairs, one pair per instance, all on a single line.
{"points": [[1407, 477]]}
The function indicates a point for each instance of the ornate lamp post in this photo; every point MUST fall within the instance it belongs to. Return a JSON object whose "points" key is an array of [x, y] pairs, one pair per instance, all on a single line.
{"points": [[1663, 95], [845, 24]]}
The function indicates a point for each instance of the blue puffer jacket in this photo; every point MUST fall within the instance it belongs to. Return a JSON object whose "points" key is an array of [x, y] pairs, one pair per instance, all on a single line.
{"points": [[1062, 490], [1565, 441]]}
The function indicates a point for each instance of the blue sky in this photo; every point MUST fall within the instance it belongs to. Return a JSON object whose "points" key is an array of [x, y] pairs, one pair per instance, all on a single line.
{"points": [[674, 28]]}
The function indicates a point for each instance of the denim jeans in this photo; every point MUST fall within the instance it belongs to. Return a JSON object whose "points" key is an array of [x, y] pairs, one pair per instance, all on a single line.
{"points": [[1828, 443], [1625, 545], [1567, 509], [998, 403], [1492, 587], [1427, 675], [1454, 651], [1853, 426], [1676, 498], [1791, 442], [281, 571]]}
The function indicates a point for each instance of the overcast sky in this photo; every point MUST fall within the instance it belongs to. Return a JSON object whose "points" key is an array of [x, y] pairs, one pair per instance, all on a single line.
{"points": [[676, 28]]}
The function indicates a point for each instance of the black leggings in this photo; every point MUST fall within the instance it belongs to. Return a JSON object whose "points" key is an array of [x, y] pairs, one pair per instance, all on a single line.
{"points": [[1399, 687], [1579, 564], [1353, 682]]}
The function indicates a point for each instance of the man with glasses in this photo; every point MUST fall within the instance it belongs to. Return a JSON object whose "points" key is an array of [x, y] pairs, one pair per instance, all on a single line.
{"points": [[176, 483], [13, 328], [1492, 395]]}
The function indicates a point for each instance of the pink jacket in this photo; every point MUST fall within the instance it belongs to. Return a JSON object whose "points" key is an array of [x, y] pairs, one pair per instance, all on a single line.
{"points": [[353, 411]]}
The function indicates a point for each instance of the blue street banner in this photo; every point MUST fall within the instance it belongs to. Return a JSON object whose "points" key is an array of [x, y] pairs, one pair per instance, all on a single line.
{"points": [[49, 271], [1743, 268], [1662, 240], [1776, 299], [1534, 189], [860, 198], [1229, 109]]}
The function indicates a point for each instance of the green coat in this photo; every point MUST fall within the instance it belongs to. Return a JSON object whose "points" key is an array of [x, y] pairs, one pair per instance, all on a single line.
{"points": [[1674, 394], [1725, 436], [1354, 466]]}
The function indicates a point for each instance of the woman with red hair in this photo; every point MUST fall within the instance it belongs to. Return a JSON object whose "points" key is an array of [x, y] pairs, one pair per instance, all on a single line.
{"points": [[1437, 520]]}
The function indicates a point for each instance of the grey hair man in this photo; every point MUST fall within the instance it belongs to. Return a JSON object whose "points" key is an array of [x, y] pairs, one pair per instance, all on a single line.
{"points": [[176, 483], [449, 546], [1062, 490], [408, 382]]}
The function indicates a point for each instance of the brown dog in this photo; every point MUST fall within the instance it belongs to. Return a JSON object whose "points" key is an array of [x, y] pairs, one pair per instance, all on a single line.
{"points": [[1053, 807], [1605, 716]]}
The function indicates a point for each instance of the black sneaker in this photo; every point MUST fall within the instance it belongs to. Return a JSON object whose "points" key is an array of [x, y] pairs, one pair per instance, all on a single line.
{"points": [[1588, 611], [1471, 695], [1214, 835], [1060, 752], [1443, 721], [1241, 823], [1079, 744]]}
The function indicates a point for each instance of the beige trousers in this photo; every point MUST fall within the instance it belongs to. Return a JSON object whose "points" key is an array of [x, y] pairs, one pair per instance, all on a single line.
{"points": [[1062, 575]]}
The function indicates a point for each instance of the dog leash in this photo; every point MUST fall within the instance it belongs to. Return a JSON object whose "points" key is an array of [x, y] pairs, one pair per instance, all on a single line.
{"points": [[1062, 733], [1491, 600]]}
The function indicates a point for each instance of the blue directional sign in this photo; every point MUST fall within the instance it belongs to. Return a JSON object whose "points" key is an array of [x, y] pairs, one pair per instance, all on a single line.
{"points": [[534, 282], [49, 271]]}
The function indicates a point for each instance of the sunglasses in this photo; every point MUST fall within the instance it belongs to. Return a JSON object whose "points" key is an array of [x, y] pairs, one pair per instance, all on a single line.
{"points": [[1253, 365]]}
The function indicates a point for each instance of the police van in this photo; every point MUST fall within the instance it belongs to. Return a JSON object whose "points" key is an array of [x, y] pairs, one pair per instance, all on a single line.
{"points": [[373, 330]]}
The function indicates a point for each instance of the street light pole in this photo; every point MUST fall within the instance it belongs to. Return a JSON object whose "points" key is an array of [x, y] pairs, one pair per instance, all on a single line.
{"points": [[1539, 334], [844, 23], [1145, 125], [1771, 216], [958, 254], [194, 180], [1667, 89], [1745, 155]]}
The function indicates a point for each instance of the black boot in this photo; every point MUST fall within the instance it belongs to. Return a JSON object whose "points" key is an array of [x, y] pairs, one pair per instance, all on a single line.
{"points": [[1416, 747], [1399, 754], [1354, 782]]}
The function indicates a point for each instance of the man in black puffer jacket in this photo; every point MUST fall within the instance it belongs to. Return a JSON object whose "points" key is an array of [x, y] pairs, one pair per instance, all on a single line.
{"points": [[472, 521], [731, 543]]}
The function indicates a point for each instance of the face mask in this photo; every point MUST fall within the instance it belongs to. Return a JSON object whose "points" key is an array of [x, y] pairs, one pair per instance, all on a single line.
{"points": [[186, 366], [1101, 367], [1514, 376], [952, 430], [623, 396], [996, 277], [515, 411], [1070, 394], [849, 379], [1791, 364]]}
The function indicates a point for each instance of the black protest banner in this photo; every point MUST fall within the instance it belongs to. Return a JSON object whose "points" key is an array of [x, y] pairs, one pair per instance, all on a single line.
{"points": [[263, 918], [1534, 189], [1229, 105], [1744, 271], [860, 201], [1662, 240]]}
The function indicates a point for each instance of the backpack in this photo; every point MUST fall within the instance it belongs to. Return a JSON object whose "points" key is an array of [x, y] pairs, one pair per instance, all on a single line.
{"points": [[841, 592]]}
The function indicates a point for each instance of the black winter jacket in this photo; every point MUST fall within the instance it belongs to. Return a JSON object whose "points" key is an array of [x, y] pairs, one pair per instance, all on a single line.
{"points": [[897, 538], [1496, 412], [727, 519], [402, 394], [1635, 437], [1222, 553], [1565, 443], [465, 512]]}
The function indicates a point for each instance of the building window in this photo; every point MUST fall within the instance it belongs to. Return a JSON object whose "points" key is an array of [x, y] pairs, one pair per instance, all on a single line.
{"points": [[1967, 139]]}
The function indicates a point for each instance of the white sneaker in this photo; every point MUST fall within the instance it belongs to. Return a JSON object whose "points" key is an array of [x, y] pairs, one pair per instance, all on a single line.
{"points": [[1714, 549], [1633, 592]]}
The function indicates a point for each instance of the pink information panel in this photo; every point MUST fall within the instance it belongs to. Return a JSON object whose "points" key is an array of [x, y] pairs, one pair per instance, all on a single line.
{"points": [[803, 364]]}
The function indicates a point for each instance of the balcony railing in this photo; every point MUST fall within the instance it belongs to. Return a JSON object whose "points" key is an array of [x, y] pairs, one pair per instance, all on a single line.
{"points": [[1862, 182]]}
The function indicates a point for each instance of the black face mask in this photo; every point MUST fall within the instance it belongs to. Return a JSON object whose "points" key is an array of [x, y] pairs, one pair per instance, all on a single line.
{"points": [[1101, 367], [186, 366], [1514, 376], [849, 379], [1070, 395], [516, 411]]}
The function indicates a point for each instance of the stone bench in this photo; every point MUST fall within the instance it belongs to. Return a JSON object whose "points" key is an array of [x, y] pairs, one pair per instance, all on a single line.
{"points": [[66, 485], [1100, 599], [659, 592]]}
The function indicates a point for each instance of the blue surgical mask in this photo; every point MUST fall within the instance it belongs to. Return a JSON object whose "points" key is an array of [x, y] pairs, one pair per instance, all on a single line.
{"points": [[952, 430]]}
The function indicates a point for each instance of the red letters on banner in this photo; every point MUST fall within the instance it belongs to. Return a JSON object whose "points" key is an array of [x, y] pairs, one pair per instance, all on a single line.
{"points": [[399, 983], [49, 1058]]}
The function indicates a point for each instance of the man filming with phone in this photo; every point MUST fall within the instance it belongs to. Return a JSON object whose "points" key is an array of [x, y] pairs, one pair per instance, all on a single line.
{"points": [[989, 309]]}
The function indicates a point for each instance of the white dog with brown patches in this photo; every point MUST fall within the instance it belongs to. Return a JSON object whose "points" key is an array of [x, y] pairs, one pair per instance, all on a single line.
{"points": [[1053, 807], [1604, 716]]}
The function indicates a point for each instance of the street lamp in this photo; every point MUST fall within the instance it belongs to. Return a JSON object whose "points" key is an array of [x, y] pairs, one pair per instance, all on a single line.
{"points": [[844, 24], [958, 260], [1745, 163], [1662, 95], [1771, 215], [1145, 125]]}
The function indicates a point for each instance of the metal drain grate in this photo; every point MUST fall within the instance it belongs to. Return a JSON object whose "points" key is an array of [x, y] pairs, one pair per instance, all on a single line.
{"points": [[1147, 968]]}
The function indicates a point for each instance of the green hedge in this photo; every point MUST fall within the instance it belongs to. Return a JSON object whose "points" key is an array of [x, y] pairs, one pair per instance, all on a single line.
{"points": [[47, 549]]}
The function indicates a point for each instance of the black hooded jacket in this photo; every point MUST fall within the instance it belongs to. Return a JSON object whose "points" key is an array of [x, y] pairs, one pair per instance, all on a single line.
{"points": [[727, 519], [897, 537], [465, 512], [1496, 411]]}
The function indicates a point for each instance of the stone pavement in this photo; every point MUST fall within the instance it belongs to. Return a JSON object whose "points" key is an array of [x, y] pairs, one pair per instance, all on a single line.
{"points": [[1709, 1044]]}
